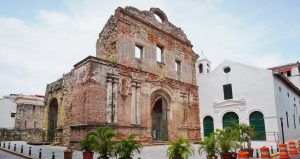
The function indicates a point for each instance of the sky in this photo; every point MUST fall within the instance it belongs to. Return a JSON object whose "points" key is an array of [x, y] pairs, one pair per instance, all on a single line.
{"points": [[40, 40]]}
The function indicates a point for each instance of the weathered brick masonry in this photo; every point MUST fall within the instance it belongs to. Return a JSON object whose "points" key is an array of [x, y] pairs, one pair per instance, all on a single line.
{"points": [[154, 99]]}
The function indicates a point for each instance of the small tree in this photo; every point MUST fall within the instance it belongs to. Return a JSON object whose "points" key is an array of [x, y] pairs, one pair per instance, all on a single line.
{"points": [[127, 147], [89, 143], [180, 149], [224, 139], [209, 145], [104, 145], [243, 133]]}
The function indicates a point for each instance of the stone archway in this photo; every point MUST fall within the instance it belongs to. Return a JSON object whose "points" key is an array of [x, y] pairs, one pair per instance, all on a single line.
{"points": [[52, 120], [159, 119]]}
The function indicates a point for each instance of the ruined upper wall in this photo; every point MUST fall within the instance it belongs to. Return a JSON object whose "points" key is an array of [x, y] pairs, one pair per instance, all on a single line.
{"points": [[106, 44], [166, 26], [130, 28]]}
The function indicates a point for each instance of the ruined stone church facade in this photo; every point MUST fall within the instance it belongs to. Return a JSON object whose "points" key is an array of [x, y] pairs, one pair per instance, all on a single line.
{"points": [[141, 81]]}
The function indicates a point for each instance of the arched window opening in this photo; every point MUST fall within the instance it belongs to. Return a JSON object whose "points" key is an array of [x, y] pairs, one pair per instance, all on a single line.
{"points": [[229, 119], [158, 18], [200, 68], [256, 120], [208, 125]]}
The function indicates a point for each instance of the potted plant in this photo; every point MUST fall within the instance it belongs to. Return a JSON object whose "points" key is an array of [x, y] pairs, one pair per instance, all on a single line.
{"points": [[209, 146], [68, 153], [104, 145], [127, 147], [180, 149], [247, 134], [224, 141], [88, 145]]}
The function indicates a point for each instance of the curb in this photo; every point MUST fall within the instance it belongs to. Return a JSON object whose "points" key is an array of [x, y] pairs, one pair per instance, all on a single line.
{"points": [[275, 154], [16, 153]]}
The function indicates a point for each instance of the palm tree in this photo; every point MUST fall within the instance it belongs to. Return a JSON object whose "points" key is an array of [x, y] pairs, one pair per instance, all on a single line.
{"points": [[104, 145], [126, 147], [180, 149]]}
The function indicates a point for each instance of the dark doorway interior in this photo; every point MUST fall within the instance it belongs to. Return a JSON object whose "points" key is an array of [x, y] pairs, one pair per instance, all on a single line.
{"points": [[159, 120], [52, 120]]}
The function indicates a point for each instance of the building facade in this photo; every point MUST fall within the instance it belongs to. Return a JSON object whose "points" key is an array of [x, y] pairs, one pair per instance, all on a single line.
{"points": [[141, 81], [258, 97], [29, 112], [291, 71], [7, 113]]}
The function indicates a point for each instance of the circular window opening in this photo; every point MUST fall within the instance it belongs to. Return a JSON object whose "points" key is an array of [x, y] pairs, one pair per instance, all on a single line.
{"points": [[227, 69], [158, 18]]}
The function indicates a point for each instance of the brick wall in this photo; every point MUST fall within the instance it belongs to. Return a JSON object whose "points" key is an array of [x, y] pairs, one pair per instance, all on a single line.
{"points": [[115, 80]]}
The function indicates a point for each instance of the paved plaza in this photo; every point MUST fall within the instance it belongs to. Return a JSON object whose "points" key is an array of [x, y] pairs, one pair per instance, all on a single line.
{"points": [[148, 152]]}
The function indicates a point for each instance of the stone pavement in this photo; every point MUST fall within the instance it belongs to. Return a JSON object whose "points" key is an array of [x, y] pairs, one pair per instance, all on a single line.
{"points": [[148, 152], [6, 155]]}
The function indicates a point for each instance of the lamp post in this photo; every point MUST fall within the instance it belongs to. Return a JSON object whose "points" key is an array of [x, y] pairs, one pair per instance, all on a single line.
{"points": [[282, 132]]}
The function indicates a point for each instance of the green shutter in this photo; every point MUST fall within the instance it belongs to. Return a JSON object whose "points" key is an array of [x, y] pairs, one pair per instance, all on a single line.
{"points": [[227, 89], [229, 119], [258, 124], [208, 125]]}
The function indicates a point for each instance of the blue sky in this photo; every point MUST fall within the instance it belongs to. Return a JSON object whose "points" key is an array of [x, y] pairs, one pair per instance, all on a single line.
{"points": [[40, 40]]}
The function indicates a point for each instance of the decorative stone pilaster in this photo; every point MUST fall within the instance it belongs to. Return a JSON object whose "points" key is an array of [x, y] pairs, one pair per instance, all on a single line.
{"points": [[135, 102], [112, 88]]}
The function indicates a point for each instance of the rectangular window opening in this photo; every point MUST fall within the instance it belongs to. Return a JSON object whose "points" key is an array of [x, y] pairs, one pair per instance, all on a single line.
{"points": [[138, 52], [288, 73], [12, 115], [227, 89], [159, 54], [177, 66]]}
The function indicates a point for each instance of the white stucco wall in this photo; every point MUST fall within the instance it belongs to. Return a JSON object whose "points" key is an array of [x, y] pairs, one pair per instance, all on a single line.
{"points": [[6, 108], [252, 88], [295, 76], [285, 104]]}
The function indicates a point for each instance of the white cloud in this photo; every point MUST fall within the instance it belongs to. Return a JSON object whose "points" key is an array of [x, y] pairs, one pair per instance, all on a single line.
{"points": [[33, 54]]}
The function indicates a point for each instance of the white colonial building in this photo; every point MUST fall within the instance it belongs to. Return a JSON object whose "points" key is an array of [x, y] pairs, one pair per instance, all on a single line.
{"points": [[259, 97], [7, 113], [291, 71]]}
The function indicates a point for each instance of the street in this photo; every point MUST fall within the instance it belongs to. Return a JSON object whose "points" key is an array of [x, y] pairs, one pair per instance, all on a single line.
{"points": [[6, 155]]}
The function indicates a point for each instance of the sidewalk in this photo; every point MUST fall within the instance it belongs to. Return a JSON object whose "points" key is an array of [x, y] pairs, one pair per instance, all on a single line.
{"points": [[149, 152]]}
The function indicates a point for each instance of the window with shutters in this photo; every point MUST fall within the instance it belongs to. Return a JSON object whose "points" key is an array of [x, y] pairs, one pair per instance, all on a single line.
{"points": [[287, 119], [229, 119], [294, 120], [256, 120], [208, 125], [227, 89]]}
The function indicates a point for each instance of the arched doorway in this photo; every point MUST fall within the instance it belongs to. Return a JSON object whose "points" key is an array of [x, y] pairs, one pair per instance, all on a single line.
{"points": [[229, 119], [208, 125], [256, 120], [159, 119], [52, 119]]}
